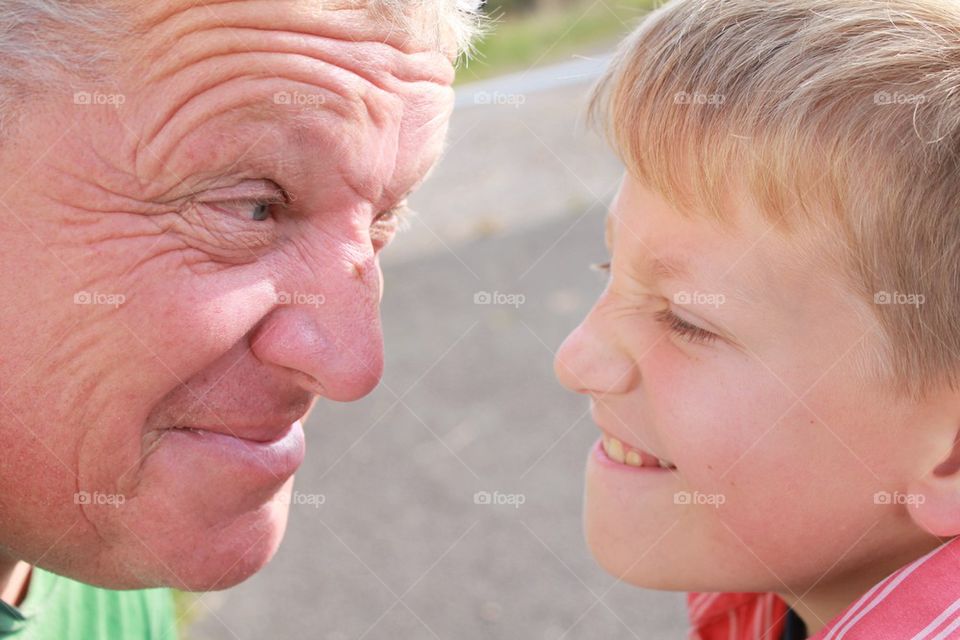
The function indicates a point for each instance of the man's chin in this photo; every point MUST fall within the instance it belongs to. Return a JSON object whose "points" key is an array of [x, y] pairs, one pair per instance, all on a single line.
{"points": [[218, 561], [193, 554]]}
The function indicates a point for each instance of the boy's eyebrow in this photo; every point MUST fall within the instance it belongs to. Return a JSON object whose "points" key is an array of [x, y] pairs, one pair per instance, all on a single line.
{"points": [[670, 269], [677, 269], [661, 268]]}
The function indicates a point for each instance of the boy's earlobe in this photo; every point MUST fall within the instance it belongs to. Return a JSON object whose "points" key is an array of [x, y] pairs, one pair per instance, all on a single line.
{"points": [[935, 498]]}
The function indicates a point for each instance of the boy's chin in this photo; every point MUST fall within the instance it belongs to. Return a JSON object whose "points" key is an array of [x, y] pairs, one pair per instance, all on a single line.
{"points": [[634, 564]]}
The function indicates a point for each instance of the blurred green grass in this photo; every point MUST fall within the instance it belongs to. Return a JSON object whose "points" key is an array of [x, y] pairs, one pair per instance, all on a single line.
{"points": [[517, 42]]}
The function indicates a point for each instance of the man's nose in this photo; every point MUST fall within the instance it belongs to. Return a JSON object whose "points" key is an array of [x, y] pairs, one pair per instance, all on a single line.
{"points": [[589, 361], [328, 337]]}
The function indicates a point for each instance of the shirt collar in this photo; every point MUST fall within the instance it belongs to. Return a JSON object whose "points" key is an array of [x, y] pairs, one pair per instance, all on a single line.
{"points": [[928, 589]]}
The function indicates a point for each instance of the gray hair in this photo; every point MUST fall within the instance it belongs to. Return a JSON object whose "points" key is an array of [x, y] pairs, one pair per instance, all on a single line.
{"points": [[457, 18], [42, 41]]}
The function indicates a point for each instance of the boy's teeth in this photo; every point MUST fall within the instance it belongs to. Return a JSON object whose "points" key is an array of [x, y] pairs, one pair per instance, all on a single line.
{"points": [[614, 449], [622, 454]]}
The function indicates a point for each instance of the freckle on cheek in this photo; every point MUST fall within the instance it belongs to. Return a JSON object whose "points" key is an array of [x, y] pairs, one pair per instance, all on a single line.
{"points": [[359, 270]]}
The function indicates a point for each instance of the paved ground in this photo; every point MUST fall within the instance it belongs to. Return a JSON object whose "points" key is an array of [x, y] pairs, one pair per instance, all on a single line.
{"points": [[399, 549]]}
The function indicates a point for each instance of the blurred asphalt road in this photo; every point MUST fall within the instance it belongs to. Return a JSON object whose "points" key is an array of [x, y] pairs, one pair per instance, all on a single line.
{"points": [[399, 549]]}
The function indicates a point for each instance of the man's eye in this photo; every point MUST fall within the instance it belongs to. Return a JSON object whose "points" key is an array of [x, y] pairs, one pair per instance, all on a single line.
{"points": [[257, 210], [261, 211], [387, 224]]}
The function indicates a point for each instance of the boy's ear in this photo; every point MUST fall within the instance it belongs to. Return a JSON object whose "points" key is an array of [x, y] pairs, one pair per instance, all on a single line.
{"points": [[935, 503]]}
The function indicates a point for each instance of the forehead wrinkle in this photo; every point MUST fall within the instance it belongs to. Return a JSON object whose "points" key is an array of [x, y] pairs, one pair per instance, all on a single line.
{"points": [[307, 17]]}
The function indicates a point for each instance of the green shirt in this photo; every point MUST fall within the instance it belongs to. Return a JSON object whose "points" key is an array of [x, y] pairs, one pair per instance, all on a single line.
{"points": [[56, 608]]}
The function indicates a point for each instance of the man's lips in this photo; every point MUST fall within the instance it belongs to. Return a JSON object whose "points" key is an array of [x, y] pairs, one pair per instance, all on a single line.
{"points": [[262, 433], [259, 462], [622, 453]]}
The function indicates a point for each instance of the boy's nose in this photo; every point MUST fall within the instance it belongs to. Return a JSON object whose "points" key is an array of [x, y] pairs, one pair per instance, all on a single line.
{"points": [[590, 362]]}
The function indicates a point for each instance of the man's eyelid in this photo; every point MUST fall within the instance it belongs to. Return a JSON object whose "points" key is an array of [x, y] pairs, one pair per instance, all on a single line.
{"points": [[266, 191], [401, 211]]}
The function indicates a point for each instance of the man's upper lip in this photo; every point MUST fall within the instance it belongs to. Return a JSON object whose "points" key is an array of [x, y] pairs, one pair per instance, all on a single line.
{"points": [[267, 430]]}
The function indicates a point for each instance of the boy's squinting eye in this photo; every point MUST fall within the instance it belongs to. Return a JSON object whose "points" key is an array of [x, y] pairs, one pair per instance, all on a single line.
{"points": [[684, 329], [677, 325]]}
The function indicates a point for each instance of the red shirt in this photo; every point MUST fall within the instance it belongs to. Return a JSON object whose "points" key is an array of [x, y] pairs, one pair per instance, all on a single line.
{"points": [[920, 601]]}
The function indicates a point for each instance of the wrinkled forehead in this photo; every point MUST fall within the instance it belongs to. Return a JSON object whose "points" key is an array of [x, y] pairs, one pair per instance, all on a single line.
{"points": [[407, 26], [228, 82]]}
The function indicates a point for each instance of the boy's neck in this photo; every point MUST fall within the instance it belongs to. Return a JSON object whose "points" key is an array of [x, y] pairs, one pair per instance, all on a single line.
{"points": [[828, 598]]}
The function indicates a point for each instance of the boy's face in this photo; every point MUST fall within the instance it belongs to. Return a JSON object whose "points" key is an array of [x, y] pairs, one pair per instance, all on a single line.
{"points": [[779, 446]]}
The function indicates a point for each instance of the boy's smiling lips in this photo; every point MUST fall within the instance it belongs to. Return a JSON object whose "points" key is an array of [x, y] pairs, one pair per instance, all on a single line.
{"points": [[625, 453]]}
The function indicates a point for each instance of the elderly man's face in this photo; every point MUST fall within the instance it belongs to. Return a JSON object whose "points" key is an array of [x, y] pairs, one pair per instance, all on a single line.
{"points": [[190, 258]]}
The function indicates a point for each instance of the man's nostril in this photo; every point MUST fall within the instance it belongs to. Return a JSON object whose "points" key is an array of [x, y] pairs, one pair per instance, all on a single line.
{"points": [[314, 385]]}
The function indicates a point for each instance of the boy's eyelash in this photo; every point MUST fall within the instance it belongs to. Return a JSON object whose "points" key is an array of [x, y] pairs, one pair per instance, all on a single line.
{"points": [[674, 323], [683, 328]]}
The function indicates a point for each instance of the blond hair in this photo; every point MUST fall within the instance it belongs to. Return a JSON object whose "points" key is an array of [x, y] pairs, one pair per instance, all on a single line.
{"points": [[834, 114]]}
